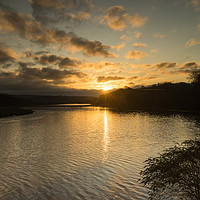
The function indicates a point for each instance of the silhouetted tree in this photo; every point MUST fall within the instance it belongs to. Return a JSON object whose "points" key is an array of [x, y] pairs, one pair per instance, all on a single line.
{"points": [[194, 77], [175, 174]]}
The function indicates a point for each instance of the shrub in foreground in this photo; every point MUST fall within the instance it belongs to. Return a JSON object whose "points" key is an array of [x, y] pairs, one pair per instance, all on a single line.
{"points": [[175, 174]]}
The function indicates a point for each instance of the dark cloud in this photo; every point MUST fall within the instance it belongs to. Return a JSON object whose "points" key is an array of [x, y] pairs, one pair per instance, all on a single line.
{"points": [[189, 67], [47, 73], [69, 62], [165, 65], [12, 84], [132, 78], [39, 80], [109, 78], [41, 52], [25, 26], [48, 59], [190, 64], [61, 61], [91, 48], [6, 55], [172, 68], [52, 11]]}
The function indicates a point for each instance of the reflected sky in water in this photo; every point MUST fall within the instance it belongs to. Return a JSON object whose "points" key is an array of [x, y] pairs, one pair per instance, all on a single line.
{"points": [[84, 153]]}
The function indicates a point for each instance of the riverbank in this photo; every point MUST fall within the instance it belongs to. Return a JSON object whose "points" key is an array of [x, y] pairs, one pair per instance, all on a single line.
{"points": [[12, 111]]}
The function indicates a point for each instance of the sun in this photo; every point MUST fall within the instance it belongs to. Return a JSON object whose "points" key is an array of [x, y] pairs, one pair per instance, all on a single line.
{"points": [[107, 87]]}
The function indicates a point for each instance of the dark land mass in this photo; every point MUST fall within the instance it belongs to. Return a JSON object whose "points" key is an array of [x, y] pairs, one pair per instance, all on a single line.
{"points": [[159, 98], [14, 111], [38, 100], [17, 104], [165, 97]]}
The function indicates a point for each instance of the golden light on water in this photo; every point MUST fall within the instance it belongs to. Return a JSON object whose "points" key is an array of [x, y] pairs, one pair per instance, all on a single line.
{"points": [[106, 137], [105, 123]]}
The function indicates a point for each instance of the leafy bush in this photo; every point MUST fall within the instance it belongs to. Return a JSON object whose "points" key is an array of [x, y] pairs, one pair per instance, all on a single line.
{"points": [[175, 174]]}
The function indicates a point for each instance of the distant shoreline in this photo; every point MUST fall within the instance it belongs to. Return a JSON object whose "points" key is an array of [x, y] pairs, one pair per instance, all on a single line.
{"points": [[14, 111], [8, 111]]}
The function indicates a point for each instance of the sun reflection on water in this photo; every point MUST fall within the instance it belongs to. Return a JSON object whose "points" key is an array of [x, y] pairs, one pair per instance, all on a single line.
{"points": [[106, 137]]}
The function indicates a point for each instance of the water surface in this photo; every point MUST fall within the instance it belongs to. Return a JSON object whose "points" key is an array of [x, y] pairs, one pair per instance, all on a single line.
{"points": [[84, 153]]}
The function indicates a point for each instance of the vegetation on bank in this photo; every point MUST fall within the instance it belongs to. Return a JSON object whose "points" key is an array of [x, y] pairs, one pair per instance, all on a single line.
{"points": [[10, 106], [14, 111], [175, 174], [161, 96]]}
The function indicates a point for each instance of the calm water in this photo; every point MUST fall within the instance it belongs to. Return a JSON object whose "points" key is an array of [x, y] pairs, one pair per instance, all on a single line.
{"points": [[83, 153]]}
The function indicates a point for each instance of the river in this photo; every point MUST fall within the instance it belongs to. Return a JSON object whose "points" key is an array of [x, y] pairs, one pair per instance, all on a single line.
{"points": [[63, 153]]}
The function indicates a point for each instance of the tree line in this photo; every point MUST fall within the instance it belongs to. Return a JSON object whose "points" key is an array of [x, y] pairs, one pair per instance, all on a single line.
{"points": [[161, 96]]}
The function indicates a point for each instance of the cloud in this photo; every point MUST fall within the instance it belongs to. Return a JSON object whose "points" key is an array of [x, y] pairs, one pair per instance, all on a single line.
{"points": [[7, 54], [196, 4], [47, 73], [33, 78], [125, 37], [26, 27], [61, 61], [11, 82], [117, 18], [109, 78], [138, 34], [189, 67], [132, 78], [139, 45], [80, 16], [118, 47], [51, 11], [101, 65], [91, 48], [69, 62], [165, 65], [158, 35], [192, 42], [153, 50], [136, 55], [54, 4]]}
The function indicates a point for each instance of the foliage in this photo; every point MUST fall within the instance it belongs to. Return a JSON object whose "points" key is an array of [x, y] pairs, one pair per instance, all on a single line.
{"points": [[194, 77], [159, 97], [175, 174]]}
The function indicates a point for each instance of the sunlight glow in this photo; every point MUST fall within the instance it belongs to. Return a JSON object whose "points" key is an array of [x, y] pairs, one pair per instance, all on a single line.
{"points": [[107, 87]]}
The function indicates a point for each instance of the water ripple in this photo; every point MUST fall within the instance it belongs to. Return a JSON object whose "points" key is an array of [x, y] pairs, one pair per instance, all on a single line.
{"points": [[83, 153]]}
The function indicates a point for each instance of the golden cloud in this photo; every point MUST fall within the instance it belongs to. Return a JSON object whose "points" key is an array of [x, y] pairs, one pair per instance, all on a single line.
{"points": [[139, 44], [118, 47], [158, 35], [192, 42], [109, 78], [117, 18], [138, 34], [136, 55], [7, 54]]}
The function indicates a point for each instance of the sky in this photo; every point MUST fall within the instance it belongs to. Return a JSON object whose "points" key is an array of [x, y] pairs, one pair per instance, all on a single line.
{"points": [[82, 47]]}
